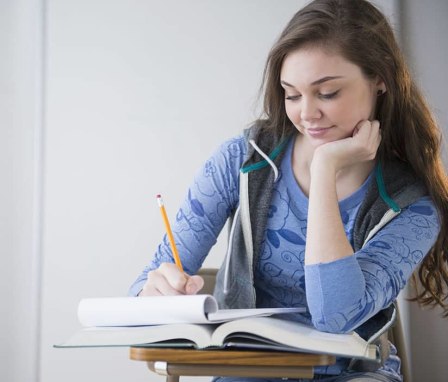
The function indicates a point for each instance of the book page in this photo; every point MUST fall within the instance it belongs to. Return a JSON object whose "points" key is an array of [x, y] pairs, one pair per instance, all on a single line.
{"points": [[180, 335], [296, 335], [154, 310]]}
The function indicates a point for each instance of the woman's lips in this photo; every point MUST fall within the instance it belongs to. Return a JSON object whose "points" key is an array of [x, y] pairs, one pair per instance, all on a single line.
{"points": [[318, 132]]}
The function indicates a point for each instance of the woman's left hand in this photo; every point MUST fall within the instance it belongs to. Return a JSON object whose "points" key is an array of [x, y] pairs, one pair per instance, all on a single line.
{"points": [[360, 147]]}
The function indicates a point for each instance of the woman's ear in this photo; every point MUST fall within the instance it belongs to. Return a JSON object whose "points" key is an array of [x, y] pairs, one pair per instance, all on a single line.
{"points": [[381, 87]]}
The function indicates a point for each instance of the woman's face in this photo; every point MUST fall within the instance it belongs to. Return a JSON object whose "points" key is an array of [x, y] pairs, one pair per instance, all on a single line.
{"points": [[326, 95]]}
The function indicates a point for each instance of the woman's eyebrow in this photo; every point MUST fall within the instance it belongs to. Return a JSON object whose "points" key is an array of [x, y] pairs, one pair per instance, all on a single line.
{"points": [[325, 79], [314, 83]]}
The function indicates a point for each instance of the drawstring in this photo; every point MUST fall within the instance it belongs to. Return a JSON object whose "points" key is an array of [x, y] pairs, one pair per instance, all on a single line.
{"points": [[266, 158], [235, 217]]}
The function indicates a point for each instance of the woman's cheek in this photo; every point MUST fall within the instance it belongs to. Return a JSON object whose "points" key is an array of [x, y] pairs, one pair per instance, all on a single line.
{"points": [[293, 116]]}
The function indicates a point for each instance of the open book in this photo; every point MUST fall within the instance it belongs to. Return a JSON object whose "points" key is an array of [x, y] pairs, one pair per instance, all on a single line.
{"points": [[195, 330], [263, 333]]}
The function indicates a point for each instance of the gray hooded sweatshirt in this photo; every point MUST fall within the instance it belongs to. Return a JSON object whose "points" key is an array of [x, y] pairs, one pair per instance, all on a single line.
{"points": [[395, 188]]}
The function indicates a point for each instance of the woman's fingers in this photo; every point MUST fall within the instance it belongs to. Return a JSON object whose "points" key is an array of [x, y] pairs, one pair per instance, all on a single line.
{"points": [[176, 279], [367, 138], [169, 280], [194, 284]]}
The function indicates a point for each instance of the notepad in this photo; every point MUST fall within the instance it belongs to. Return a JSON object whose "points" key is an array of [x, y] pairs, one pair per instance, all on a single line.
{"points": [[156, 310]]}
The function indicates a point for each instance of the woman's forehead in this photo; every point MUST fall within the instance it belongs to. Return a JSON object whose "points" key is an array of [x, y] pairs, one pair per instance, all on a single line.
{"points": [[309, 65]]}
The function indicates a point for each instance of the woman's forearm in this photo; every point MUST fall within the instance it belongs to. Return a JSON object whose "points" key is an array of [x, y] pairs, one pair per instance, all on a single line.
{"points": [[326, 238]]}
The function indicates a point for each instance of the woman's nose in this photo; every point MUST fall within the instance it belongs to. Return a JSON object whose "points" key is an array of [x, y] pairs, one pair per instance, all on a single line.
{"points": [[309, 110]]}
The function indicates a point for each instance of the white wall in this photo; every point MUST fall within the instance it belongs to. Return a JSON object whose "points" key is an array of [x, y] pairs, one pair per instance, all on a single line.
{"points": [[20, 186]]}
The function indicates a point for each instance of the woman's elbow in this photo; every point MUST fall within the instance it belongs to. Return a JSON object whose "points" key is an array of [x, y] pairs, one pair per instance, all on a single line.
{"points": [[332, 324]]}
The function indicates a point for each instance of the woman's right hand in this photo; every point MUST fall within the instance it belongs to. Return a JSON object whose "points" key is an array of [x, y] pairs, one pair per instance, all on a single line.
{"points": [[169, 280], [362, 146]]}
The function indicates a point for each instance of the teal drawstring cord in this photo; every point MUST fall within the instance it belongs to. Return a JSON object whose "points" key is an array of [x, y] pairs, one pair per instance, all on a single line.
{"points": [[382, 188]]}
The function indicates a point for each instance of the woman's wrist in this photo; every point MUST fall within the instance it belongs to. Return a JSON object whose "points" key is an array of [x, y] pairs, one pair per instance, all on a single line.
{"points": [[320, 165]]}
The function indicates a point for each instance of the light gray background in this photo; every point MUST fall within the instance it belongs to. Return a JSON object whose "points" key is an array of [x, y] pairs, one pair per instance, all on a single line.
{"points": [[105, 104]]}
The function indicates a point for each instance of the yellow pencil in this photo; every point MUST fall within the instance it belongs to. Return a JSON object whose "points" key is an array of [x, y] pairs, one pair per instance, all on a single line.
{"points": [[169, 233]]}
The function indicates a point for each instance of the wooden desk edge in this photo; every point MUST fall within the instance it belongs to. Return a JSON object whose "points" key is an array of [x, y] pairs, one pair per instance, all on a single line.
{"points": [[230, 357]]}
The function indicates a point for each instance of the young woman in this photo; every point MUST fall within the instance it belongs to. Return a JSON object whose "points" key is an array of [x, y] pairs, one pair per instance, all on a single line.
{"points": [[337, 195]]}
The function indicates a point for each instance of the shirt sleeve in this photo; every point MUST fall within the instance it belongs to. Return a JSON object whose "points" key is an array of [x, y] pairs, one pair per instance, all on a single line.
{"points": [[210, 200], [345, 293]]}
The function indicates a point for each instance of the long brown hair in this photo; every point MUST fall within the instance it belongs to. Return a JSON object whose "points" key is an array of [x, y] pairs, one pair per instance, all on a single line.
{"points": [[361, 34]]}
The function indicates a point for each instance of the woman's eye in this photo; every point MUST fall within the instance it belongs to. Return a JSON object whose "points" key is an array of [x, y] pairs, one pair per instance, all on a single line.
{"points": [[293, 98], [329, 95]]}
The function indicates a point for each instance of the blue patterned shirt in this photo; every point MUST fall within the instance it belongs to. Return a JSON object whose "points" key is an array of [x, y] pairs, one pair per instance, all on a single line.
{"points": [[338, 295]]}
